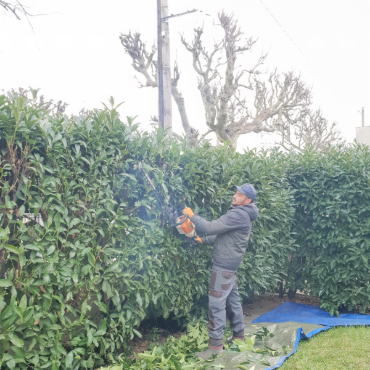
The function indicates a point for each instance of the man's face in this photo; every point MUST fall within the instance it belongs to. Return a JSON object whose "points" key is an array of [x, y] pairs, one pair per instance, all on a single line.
{"points": [[239, 199]]}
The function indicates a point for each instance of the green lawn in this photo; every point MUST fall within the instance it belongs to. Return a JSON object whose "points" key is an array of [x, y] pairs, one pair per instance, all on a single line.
{"points": [[334, 349]]}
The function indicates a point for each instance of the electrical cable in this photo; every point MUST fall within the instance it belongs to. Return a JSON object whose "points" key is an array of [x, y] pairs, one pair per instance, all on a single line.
{"points": [[283, 29]]}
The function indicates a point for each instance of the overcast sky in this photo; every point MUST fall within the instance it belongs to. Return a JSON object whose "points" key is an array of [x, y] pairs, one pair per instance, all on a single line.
{"points": [[74, 53]]}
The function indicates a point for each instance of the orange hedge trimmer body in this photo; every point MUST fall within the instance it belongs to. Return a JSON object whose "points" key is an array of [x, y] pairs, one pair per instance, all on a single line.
{"points": [[182, 223], [185, 226]]}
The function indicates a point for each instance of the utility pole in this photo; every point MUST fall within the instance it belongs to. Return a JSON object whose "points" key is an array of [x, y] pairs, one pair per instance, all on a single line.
{"points": [[164, 68], [363, 116], [159, 65]]}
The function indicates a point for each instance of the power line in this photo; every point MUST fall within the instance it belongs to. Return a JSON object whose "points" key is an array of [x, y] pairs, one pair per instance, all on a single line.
{"points": [[283, 29]]}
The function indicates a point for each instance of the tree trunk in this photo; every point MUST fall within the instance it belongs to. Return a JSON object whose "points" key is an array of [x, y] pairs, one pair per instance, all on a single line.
{"points": [[179, 99], [292, 293], [281, 289]]}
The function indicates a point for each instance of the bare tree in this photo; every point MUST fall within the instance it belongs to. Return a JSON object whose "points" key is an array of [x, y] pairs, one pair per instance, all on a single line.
{"points": [[224, 85], [143, 62], [227, 110], [308, 128]]}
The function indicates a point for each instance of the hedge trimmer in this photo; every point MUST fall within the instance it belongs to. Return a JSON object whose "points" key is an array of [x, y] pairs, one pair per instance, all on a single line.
{"points": [[182, 222]]}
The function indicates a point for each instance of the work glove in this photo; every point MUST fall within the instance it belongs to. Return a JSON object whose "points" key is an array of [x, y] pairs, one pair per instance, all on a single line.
{"points": [[198, 239], [188, 211]]}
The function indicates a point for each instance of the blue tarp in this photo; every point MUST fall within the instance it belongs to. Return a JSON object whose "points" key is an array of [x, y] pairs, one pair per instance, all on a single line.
{"points": [[307, 314], [300, 335], [289, 323]]}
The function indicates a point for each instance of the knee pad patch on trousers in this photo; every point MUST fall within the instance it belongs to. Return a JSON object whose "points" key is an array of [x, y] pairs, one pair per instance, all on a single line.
{"points": [[212, 280], [215, 293], [227, 274]]}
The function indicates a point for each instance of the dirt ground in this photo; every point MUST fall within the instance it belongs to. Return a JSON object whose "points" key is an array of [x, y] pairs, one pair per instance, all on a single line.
{"points": [[260, 305], [269, 301]]}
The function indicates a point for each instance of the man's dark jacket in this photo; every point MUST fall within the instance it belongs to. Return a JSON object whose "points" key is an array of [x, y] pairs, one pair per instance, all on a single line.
{"points": [[229, 234]]}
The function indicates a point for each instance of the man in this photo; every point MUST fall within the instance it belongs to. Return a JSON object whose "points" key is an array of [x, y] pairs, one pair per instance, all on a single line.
{"points": [[229, 236]]}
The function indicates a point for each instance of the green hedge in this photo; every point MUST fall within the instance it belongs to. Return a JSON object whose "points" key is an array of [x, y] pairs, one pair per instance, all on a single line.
{"points": [[332, 226], [73, 291]]}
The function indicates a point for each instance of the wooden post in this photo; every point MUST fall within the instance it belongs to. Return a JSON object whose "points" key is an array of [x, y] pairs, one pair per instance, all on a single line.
{"points": [[164, 68]]}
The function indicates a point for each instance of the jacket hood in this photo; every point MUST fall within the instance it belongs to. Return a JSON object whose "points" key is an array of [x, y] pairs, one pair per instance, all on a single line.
{"points": [[251, 209]]}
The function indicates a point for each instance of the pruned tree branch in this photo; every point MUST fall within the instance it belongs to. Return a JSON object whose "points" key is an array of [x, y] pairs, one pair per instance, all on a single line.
{"points": [[308, 128], [142, 60], [144, 63], [15, 7], [18, 9]]}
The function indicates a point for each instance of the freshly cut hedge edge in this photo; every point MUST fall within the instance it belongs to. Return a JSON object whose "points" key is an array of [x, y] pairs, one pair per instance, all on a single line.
{"points": [[332, 226], [73, 290]]}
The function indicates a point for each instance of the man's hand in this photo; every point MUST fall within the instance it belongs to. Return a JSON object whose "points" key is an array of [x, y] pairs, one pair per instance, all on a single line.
{"points": [[188, 211], [198, 239]]}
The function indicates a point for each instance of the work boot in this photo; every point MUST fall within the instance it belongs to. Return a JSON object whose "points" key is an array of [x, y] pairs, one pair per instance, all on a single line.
{"points": [[215, 347], [236, 335]]}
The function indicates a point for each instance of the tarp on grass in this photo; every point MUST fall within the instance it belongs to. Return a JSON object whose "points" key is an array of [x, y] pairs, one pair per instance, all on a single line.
{"points": [[275, 348], [304, 313], [275, 337], [289, 323]]}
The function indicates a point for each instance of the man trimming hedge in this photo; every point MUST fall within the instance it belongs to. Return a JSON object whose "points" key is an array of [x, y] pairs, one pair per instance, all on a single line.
{"points": [[229, 236]]}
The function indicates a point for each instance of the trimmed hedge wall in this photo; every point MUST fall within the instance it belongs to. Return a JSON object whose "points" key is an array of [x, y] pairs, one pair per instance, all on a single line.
{"points": [[73, 290], [332, 226]]}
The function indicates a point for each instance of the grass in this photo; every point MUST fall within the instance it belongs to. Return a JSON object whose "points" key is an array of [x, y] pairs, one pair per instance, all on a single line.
{"points": [[334, 349]]}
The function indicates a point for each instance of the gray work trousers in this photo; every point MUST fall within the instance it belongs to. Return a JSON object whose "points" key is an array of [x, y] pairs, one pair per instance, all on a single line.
{"points": [[224, 302]]}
